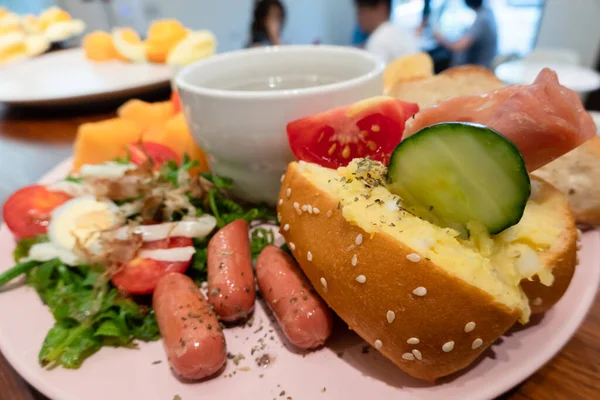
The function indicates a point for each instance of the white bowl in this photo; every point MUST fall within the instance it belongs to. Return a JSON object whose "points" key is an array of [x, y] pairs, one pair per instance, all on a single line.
{"points": [[243, 131]]}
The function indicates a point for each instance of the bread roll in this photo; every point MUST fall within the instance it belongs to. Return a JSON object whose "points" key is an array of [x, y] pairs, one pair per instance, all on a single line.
{"points": [[428, 301]]}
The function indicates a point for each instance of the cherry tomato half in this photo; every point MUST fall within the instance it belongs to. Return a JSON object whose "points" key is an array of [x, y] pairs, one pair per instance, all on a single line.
{"points": [[141, 275], [372, 127], [158, 153], [27, 211]]}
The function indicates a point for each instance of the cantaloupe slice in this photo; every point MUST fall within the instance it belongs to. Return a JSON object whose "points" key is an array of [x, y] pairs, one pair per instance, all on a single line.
{"points": [[176, 135], [147, 114], [99, 46], [163, 35], [98, 142]]}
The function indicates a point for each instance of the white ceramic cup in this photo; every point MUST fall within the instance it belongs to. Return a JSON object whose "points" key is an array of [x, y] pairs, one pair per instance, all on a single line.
{"points": [[243, 132]]}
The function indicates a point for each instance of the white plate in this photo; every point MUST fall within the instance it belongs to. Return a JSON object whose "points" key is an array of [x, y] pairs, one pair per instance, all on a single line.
{"points": [[575, 77], [130, 374], [67, 77]]}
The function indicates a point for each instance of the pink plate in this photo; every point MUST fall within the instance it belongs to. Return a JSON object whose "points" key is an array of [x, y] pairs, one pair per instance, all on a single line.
{"points": [[340, 371]]}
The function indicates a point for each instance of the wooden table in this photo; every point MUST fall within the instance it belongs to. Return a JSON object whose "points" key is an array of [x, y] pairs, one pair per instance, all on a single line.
{"points": [[32, 142]]}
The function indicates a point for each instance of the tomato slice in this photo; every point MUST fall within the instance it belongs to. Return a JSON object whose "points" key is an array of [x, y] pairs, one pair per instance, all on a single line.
{"points": [[372, 127], [176, 101], [27, 211], [158, 153], [141, 275]]}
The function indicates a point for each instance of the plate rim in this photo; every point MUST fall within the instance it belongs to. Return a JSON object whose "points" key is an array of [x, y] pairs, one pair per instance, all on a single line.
{"points": [[519, 373], [125, 90]]}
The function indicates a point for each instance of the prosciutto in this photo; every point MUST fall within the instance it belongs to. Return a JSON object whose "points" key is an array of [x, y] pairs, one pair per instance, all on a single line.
{"points": [[545, 119]]}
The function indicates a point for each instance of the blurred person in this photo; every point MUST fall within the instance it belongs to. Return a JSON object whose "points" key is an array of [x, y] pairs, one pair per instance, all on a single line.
{"points": [[385, 39], [479, 44], [269, 17]]}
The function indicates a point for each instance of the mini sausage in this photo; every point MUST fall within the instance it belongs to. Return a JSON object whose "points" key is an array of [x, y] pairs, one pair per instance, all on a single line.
{"points": [[193, 340], [231, 289], [303, 316]]}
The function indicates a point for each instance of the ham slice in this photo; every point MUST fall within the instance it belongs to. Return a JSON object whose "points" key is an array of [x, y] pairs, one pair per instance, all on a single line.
{"points": [[545, 120]]}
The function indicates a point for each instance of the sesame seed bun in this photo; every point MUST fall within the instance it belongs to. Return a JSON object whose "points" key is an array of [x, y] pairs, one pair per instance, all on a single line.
{"points": [[426, 320]]}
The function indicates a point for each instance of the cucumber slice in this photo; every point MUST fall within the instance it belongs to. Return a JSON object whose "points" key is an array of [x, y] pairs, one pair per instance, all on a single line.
{"points": [[453, 173]]}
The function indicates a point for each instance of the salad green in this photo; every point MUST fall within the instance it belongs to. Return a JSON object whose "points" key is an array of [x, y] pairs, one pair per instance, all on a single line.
{"points": [[89, 311]]}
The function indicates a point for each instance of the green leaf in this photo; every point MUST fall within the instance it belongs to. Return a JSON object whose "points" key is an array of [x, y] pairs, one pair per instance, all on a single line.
{"points": [[74, 179], [124, 160], [84, 345], [260, 239], [24, 245], [108, 328]]}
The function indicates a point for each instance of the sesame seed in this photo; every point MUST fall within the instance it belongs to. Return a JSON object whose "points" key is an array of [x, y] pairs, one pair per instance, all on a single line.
{"points": [[378, 344], [417, 354], [309, 256], [358, 239], [280, 201], [329, 213], [309, 208], [420, 291], [408, 356], [324, 282], [316, 210], [288, 192], [537, 301], [282, 177], [304, 208], [448, 346], [296, 205], [476, 343], [469, 326], [391, 316], [292, 246], [298, 211], [286, 227], [279, 217], [413, 340], [414, 257], [361, 279], [354, 260]]}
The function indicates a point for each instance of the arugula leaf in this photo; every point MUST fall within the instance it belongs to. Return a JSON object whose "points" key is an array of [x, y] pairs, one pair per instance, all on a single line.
{"points": [[124, 160], [71, 178], [198, 270], [89, 314], [220, 182], [170, 170], [24, 245], [260, 239]]}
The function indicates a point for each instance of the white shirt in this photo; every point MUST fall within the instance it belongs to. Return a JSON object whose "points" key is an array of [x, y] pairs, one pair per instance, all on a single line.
{"points": [[390, 42]]}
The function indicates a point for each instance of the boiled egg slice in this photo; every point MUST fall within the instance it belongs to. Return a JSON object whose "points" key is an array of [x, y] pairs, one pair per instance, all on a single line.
{"points": [[64, 30], [195, 46], [81, 220], [128, 44]]}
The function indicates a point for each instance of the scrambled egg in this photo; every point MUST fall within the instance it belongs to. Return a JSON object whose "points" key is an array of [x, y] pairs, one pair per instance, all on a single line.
{"points": [[494, 264]]}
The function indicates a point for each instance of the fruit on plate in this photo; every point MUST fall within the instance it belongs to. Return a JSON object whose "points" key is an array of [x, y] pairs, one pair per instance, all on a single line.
{"points": [[195, 46], [427, 299], [128, 44], [545, 120], [163, 35], [454, 173], [372, 127], [147, 114], [99, 46], [177, 136], [98, 142]]}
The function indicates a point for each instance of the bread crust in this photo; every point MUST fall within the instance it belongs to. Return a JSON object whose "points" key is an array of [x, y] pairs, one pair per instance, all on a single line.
{"points": [[576, 175], [435, 319], [560, 258]]}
